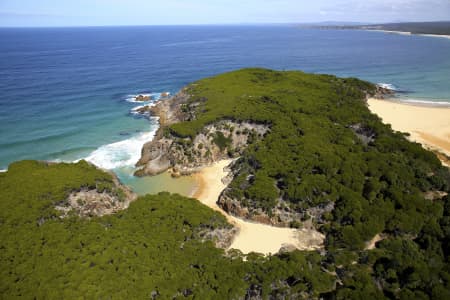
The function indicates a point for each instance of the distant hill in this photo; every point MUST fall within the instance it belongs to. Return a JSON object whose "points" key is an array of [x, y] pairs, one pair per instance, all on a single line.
{"points": [[439, 28], [333, 23]]}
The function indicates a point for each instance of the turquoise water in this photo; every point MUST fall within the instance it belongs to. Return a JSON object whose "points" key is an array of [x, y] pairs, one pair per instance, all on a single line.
{"points": [[64, 93]]}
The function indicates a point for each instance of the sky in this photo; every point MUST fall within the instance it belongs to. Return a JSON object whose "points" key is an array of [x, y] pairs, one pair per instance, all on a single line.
{"points": [[45, 13]]}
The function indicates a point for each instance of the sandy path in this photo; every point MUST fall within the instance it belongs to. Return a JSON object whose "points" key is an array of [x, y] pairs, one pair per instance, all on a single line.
{"points": [[428, 125], [252, 236]]}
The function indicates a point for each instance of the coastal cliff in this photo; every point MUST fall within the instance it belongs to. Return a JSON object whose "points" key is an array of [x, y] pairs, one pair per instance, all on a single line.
{"points": [[296, 141], [307, 152], [185, 155], [223, 139]]}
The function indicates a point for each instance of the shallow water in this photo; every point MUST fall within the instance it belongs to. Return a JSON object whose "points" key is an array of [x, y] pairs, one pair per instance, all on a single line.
{"points": [[65, 93], [186, 185]]}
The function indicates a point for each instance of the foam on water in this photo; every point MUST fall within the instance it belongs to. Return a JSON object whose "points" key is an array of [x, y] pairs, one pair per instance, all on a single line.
{"points": [[121, 154], [135, 110], [388, 86], [82, 106], [126, 153], [424, 102]]}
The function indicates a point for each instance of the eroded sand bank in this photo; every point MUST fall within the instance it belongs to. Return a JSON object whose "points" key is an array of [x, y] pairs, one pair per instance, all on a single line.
{"points": [[252, 237]]}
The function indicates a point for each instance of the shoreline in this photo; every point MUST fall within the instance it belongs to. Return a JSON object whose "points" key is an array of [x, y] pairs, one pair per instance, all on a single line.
{"points": [[252, 236], [445, 36], [427, 124], [413, 102]]}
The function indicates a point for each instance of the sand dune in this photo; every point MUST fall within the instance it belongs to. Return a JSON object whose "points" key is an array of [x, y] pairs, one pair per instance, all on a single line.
{"points": [[252, 237]]}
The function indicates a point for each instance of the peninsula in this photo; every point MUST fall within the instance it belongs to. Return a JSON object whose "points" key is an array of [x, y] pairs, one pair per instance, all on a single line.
{"points": [[437, 29], [292, 151]]}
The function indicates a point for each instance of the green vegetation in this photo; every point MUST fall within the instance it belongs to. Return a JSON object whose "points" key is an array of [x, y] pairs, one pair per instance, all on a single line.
{"points": [[221, 141], [151, 250], [439, 28], [324, 147]]}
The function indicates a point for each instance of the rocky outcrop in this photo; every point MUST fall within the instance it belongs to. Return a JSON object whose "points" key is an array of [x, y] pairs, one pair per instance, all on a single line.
{"points": [[183, 156], [143, 98], [281, 215], [364, 133], [222, 139], [100, 201], [173, 110], [382, 92], [154, 157], [222, 237], [144, 110]]}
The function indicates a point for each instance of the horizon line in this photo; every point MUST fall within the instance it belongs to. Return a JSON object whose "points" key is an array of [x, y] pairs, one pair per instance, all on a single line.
{"points": [[222, 24]]}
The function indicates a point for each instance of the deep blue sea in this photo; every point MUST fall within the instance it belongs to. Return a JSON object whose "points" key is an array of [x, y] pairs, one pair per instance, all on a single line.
{"points": [[64, 93]]}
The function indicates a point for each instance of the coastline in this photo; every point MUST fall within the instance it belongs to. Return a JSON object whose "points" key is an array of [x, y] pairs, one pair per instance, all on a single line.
{"points": [[428, 125], [411, 33], [251, 236]]}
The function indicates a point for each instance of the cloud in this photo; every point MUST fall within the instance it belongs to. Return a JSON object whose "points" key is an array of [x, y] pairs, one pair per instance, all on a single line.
{"points": [[387, 10], [27, 14], [387, 6]]}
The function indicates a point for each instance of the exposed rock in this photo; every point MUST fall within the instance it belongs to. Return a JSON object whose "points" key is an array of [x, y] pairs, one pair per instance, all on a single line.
{"points": [[434, 195], [143, 98], [88, 203], [383, 92], [144, 110], [222, 237], [318, 213], [286, 248], [254, 292], [172, 111], [165, 94], [154, 157], [310, 238], [232, 206], [220, 140], [365, 134], [281, 216]]}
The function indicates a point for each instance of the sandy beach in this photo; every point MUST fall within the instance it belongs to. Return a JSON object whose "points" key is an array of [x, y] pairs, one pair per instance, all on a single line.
{"points": [[252, 237], [410, 33], [428, 125]]}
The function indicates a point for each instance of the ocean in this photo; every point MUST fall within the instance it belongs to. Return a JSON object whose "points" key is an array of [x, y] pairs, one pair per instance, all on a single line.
{"points": [[66, 93]]}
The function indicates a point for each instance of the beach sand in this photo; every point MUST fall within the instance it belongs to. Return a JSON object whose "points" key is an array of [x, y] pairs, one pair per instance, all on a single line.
{"points": [[252, 237], [410, 33], [428, 125]]}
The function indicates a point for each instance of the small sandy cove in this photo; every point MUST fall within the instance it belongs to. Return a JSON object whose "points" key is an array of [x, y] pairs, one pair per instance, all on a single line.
{"points": [[252, 237], [428, 125]]}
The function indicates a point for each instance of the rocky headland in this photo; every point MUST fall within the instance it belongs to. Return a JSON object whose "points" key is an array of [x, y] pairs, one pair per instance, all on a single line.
{"points": [[221, 140], [185, 155]]}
